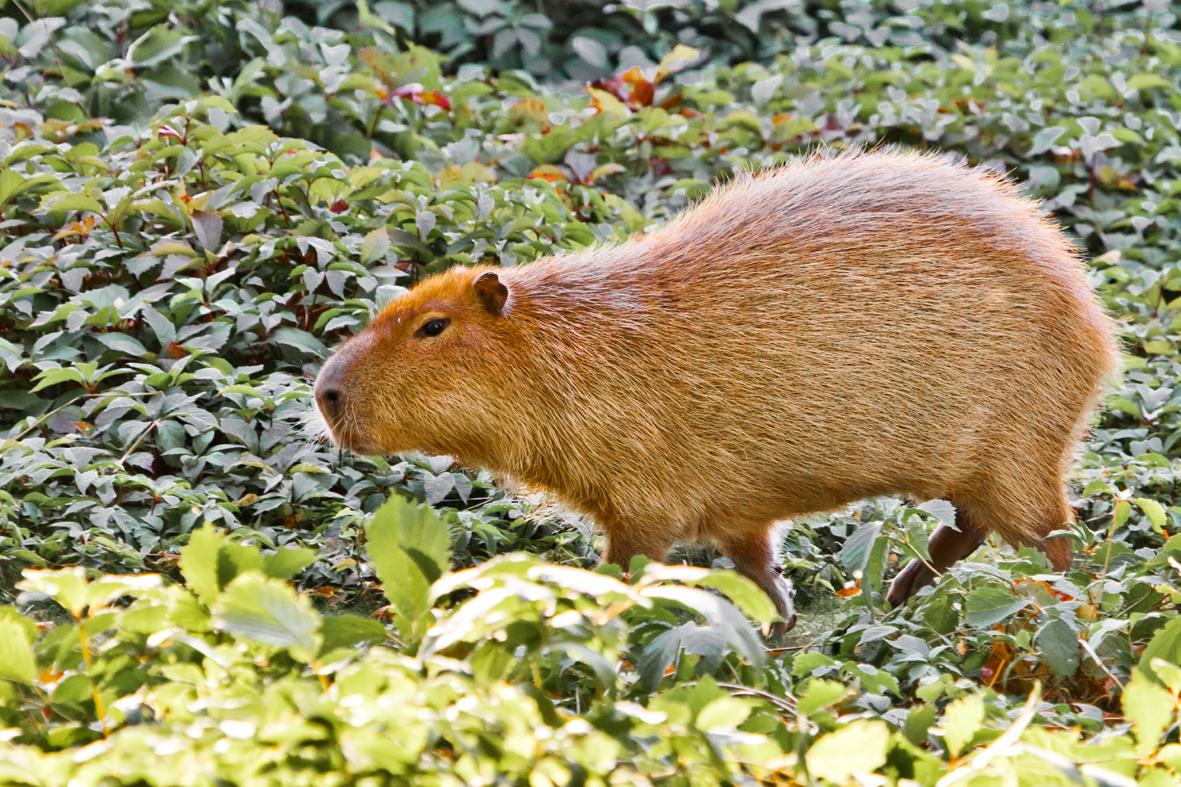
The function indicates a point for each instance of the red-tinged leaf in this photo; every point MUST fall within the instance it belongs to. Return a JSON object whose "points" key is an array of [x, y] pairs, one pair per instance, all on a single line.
{"points": [[850, 590], [642, 89], [548, 173], [437, 98]]}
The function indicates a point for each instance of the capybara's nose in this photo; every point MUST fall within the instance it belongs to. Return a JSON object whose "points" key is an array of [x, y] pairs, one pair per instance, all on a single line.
{"points": [[329, 396]]}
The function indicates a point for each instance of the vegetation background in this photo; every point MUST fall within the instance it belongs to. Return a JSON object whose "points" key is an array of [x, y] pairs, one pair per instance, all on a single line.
{"points": [[198, 198]]}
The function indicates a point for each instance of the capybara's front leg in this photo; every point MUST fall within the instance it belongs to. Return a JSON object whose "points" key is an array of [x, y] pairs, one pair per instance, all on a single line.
{"points": [[625, 542], [754, 557], [946, 546]]}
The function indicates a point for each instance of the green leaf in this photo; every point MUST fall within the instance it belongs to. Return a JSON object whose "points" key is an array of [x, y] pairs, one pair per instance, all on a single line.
{"points": [[961, 721], [665, 648], [110, 587], [990, 605], [16, 653], [69, 202], [721, 615], [745, 594], [375, 245], [198, 563], [819, 694], [66, 374], [858, 749], [122, 343], [1155, 513], [856, 549], [1165, 644], [1147, 81], [207, 226], [1058, 643], [678, 58], [1150, 708], [348, 630], [1045, 139], [66, 586], [13, 184], [160, 43], [300, 340], [724, 713], [266, 610], [287, 562], [410, 547]]}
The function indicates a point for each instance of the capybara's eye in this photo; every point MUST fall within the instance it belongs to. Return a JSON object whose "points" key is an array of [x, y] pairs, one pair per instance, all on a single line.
{"points": [[433, 327]]}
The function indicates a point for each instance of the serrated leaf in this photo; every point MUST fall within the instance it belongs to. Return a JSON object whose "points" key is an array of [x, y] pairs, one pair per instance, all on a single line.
{"points": [[66, 586], [348, 630], [198, 563], [266, 610], [1149, 708], [858, 749], [819, 694], [1165, 644], [961, 721], [410, 547], [287, 562]]}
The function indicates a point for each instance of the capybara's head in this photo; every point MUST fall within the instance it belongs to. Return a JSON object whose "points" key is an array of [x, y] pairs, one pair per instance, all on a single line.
{"points": [[422, 375]]}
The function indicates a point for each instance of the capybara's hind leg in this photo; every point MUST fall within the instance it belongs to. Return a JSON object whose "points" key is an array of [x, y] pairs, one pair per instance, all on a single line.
{"points": [[946, 546], [1023, 512], [1059, 516], [1024, 509], [754, 557]]}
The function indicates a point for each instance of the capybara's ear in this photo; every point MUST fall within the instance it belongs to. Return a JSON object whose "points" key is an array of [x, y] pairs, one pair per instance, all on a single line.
{"points": [[491, 292]]}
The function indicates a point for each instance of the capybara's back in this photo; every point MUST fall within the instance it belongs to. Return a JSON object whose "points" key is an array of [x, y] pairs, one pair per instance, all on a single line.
{"points": [[840, 327]]}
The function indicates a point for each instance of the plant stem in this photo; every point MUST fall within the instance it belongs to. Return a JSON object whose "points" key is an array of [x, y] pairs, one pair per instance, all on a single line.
{"points": [[99, 709]]}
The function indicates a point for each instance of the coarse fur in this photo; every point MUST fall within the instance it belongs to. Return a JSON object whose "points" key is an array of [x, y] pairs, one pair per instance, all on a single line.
{"points": [[837, 328]]}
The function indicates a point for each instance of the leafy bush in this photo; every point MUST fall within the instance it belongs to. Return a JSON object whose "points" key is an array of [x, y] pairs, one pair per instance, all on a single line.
{"points": [[234, 677], [196, 200]]}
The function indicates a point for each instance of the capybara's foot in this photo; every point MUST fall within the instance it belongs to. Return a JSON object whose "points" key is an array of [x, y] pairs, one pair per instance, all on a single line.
{"points": [[914, 576], [779, 629], [784, 598]]}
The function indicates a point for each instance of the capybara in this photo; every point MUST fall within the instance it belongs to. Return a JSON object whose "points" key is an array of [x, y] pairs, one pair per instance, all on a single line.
{"points": [[870, 323]]}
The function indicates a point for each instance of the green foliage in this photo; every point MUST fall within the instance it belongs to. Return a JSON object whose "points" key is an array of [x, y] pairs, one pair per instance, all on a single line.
{"points": [[198, 199]]}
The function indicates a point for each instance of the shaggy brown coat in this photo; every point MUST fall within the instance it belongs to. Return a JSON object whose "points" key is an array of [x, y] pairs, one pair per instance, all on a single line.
{"points": [[841, 327]]}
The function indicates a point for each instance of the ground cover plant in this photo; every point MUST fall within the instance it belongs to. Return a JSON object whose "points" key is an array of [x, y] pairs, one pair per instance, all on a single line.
{"points": [[198, 199]]}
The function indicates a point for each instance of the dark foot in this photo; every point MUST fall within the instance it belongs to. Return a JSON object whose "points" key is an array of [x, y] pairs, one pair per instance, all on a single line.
{"points": [[914, 576], [779, 629], [783, 597]]}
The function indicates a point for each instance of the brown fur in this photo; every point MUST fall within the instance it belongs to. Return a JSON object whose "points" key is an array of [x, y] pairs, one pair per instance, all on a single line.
{"points": [[841, 327]]}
